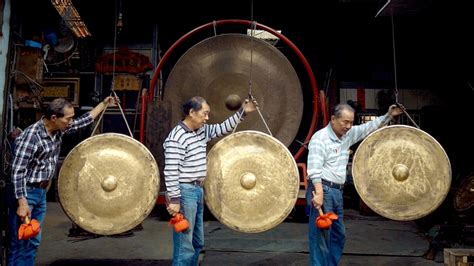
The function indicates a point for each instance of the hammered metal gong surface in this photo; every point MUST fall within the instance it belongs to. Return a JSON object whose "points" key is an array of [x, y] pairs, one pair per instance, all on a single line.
{"points": [[401, 172], [108, 183], [220, 69], [252, 181]]}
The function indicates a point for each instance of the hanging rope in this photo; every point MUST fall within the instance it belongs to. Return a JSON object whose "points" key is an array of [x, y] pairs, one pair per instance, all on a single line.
{"points": [[112, 93], [100, 119], [406, 113], [250, 95], [395, 90], [394, 56], [252, 34]]}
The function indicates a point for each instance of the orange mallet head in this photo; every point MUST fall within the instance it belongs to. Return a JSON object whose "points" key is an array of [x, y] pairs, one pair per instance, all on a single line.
{"points": [[331, 215], [28, 229], [180, 223], [324, 221]]}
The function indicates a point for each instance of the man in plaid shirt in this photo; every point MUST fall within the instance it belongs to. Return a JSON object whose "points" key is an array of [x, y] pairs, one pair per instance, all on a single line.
{"points": [[36, 156], [327, 161]]}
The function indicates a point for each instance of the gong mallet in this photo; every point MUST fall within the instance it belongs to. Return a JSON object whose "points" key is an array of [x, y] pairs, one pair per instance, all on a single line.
{"points": [[29, 229], [180, 223], [324, 220]]}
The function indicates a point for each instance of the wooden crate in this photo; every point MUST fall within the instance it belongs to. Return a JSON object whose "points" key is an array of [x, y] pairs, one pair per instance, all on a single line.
{"points": [[458, 257]]}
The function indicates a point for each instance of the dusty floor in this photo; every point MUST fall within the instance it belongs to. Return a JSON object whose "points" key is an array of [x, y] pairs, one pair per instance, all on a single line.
{"points": [[371, 240]]}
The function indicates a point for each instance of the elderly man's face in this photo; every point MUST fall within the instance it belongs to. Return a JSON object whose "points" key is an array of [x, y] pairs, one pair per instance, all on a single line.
{"points": [[341, 125], [199, 118], [62, 123]]}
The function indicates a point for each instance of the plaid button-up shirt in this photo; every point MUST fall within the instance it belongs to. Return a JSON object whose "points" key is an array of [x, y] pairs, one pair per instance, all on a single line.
{"points": [[328, 155], [37, 153]]}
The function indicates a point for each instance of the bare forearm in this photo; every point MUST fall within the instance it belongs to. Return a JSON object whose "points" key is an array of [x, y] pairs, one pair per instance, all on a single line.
{"points": [[98, 110], [109, 101], [318, 188]]}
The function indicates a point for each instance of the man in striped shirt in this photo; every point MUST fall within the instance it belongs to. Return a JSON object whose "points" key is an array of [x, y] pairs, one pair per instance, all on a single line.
{"points": [[185, 170], [327, 161], [36, 155]]}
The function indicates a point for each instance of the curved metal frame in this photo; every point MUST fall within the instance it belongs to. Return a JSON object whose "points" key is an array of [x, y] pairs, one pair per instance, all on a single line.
{"points": [[293, 47]]}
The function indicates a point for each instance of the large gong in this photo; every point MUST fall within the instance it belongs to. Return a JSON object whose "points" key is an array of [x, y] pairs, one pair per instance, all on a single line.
{"points": [[252, 181], [220, 69], [401, 172], [108, 183]]}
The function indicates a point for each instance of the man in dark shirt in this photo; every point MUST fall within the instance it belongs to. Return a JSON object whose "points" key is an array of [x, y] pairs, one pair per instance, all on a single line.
{"points": [[35, 159]]}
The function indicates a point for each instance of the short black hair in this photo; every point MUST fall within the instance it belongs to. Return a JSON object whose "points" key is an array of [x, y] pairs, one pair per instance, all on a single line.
{"points": [[194, 103], [56, 107]]}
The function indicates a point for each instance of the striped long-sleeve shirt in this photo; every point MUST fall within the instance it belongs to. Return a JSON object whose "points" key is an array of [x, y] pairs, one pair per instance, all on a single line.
{"points": [[37, 153], [328, 155], [185, 153]]}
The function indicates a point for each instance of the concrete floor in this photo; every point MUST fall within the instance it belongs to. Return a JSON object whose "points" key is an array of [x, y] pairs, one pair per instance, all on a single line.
{"points": [[371, 240]]}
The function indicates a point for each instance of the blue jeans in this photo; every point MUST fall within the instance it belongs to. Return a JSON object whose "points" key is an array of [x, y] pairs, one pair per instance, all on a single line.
{"points": [[326, 246], [187, 245], [23, 252]]}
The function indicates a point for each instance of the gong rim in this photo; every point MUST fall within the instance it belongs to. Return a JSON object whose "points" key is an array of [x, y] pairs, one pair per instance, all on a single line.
{"points": [[464, 196], [248, 194], [108, 184], [398, 178]]}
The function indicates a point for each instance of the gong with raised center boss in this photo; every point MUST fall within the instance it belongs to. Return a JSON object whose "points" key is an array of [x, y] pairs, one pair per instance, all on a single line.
{"points": [[401, 172], [108, 183], [221, 68], [252, 181]]}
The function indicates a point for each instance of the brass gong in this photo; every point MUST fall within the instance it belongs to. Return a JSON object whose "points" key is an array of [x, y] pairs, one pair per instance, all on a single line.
{"points": [[252, 181], [401, 172], [220, 69], [108, 183]]}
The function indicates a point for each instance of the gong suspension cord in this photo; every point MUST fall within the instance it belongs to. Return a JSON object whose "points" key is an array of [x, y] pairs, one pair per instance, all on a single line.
{"points": [[251, 98], [250, 95], [252, 33], [395, 90], [100, 119], [394, 56], [406, 113], [103, 112], [214, 24], [264, 122], [121, 110], [112, 93]]}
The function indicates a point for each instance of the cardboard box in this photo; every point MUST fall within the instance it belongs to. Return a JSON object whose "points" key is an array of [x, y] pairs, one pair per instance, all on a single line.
{"points": [[458, 257]]}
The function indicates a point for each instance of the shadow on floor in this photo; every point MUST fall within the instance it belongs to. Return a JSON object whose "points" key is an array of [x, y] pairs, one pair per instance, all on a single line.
{"points": [[110, 262]]}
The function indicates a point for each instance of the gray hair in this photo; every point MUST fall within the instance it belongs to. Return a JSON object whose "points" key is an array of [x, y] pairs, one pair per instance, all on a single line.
{"points": [[337, 110], [56, 107]]}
